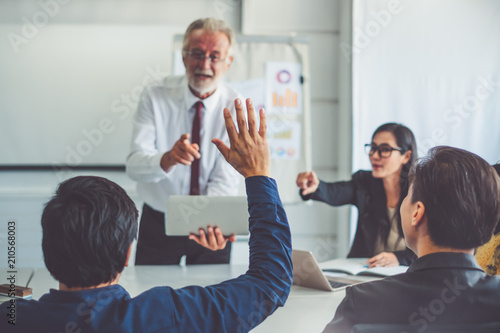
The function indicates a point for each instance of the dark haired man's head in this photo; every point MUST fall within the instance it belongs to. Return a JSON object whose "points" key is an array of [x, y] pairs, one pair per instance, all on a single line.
{"points": [[404, 139], [460, 192], [88, 227]]}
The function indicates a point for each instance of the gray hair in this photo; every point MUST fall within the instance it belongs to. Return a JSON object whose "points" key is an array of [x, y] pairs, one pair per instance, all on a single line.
{"points": [[213, 25]]}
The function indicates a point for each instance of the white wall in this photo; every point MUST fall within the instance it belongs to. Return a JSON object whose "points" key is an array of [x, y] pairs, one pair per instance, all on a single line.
{"points": [[314, 227], [441, 78]]}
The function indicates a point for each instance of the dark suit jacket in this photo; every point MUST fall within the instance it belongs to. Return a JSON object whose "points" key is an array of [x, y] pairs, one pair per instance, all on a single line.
{"points": [[439, 288], [368, 195]]}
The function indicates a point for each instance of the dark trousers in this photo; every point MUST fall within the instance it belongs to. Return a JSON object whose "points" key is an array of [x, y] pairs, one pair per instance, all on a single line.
{"points": [[154, 247]]}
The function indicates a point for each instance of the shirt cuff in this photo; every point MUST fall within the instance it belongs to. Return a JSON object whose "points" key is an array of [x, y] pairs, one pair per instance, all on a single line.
{"points": [[157, 162], [262, 189]]}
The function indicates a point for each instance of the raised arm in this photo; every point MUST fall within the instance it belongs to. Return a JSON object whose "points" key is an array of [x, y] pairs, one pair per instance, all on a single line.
{"points": [[240, 304]]}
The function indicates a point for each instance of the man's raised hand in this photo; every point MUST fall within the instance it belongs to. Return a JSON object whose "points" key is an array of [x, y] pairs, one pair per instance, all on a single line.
{"points": [[249, 150]]}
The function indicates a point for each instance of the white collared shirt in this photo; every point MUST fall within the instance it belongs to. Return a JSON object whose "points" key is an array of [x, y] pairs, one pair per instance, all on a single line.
{"points": [[165, 112]]}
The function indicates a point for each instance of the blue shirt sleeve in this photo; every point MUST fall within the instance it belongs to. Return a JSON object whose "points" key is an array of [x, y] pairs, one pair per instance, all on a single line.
{"points": [[240, 304]]}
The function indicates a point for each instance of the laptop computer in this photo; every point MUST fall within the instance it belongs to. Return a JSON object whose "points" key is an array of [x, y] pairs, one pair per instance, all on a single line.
{"points": [[307, 273], [187, 213]]}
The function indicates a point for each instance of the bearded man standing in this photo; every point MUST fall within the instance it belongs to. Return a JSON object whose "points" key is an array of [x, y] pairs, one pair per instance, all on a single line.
{"points": [[171, 152]]}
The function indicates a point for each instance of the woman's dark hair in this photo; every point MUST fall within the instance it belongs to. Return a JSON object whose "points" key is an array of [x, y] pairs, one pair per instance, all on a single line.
{"points": [[88, 227], [405, 140], [460, 192]]}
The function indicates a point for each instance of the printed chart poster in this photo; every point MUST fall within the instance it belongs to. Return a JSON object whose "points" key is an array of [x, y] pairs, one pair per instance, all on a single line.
{"points": [[284, 90], [284, 141]]}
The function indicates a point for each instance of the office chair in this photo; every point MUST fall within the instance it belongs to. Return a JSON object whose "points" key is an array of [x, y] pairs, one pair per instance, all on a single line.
{"points": [[492, 327]]}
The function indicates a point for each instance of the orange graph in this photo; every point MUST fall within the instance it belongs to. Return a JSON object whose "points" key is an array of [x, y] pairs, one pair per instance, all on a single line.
{"points": [[289, 100]]}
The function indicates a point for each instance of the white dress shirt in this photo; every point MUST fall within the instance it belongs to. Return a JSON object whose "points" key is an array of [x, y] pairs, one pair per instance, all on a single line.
{"points": [[164, 113]]}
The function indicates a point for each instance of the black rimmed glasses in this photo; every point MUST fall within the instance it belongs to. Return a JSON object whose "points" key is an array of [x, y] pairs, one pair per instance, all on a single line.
{"points": [[384, 150], [200, 56]]}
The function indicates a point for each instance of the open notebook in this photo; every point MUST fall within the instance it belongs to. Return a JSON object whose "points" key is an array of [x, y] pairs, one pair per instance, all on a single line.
{"points": [[358, 266]]}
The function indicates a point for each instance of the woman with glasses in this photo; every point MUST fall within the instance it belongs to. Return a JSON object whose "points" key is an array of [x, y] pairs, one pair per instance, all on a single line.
{"points": [[377, 194]]}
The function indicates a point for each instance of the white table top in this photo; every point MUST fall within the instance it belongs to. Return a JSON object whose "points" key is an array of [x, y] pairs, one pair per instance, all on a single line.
{"points": [[306, 310]]}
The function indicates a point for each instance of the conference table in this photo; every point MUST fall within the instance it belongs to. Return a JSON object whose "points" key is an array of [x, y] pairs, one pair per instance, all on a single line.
{"points": [[306, 310]]}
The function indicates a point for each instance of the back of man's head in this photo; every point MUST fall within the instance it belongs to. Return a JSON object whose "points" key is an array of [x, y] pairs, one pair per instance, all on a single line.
{"points": [[88, 227], [461, 195]]}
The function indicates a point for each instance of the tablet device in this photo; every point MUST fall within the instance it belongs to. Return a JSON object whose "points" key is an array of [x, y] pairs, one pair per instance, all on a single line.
{"points": [[187, 213]]}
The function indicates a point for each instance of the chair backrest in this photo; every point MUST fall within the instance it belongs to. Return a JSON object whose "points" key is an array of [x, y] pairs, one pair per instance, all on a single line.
{"points": [[492, 327]]}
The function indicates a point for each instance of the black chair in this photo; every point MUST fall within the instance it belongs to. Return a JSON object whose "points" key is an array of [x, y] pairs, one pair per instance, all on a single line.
{"points": [[493, 327]]}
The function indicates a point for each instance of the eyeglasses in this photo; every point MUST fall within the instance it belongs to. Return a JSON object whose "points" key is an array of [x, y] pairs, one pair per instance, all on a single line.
{"points": [[384, 150], [200, 56]]}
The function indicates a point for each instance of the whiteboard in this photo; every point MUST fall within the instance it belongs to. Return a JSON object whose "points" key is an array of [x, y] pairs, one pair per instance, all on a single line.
{"points": [[67, 95]]}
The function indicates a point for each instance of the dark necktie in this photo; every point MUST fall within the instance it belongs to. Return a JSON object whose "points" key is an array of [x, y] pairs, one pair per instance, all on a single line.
{"points": [[195, 138]]}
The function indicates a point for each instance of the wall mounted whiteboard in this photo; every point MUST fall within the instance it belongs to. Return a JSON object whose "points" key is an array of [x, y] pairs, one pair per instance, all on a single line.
{"points": [[67, 96]]}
